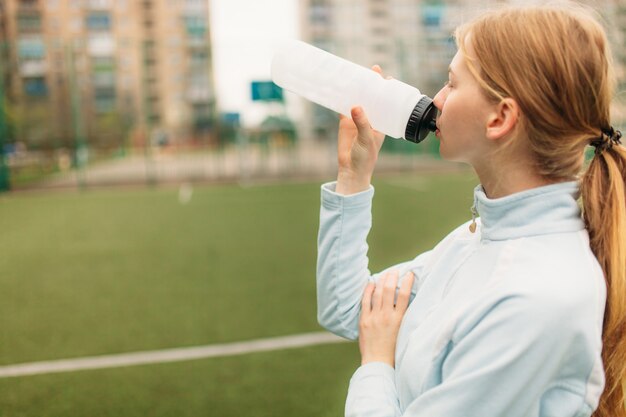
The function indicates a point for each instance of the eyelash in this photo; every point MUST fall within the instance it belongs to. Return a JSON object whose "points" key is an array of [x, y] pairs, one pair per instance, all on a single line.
{"points": [[447, 84]]}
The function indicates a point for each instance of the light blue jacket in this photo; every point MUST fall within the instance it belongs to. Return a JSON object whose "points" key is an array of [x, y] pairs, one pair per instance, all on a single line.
{"points": [[503, 322]]}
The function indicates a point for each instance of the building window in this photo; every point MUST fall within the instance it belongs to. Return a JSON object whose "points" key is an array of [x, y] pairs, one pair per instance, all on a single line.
{"points": [[29, 23], [28, 3], [31, 48], [379, 13], [104, 101], [103, 79], [99, 22], [323, 43], [196, 26], [431, 16], [194, 6], [35, 87], [380, 31], [319, 14], [199, 59]]}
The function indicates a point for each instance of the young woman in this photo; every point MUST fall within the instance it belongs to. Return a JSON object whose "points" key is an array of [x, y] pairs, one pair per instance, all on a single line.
{"points": [[523, 311]]}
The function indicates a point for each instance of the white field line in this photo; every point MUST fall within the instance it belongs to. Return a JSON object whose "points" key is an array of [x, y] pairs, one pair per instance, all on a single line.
{"points": [[168, 355]]}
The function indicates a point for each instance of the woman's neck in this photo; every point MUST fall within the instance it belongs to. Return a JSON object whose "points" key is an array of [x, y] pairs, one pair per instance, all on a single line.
{"points": [[500, 181]]}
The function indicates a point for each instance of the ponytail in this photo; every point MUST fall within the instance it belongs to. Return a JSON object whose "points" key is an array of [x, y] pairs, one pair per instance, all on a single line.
{"points": [[604, 210]]}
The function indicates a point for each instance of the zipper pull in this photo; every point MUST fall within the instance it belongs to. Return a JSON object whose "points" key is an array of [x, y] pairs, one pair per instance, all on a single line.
{"points": [[472, 226]]}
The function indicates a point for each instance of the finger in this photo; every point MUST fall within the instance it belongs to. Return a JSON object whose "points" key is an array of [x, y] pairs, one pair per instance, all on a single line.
{"points": [[379, 70], [389, 291], [366, 301], [361, 121], [377, 297], [346, 122], [404, 293]]}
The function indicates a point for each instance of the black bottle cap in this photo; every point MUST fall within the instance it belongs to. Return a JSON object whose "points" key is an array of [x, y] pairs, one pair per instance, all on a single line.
{"points": [[421, 121]]}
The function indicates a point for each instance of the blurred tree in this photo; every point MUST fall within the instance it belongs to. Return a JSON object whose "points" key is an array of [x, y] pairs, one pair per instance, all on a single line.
{"points": [[109, 131], [278, 130], [30, 121]]}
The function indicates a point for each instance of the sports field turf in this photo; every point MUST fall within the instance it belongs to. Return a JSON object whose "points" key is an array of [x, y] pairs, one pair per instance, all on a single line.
{"points": [[113, 271]]}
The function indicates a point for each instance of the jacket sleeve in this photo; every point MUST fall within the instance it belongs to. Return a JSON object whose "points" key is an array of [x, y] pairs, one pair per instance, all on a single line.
{"points": [[501, 363], [342, 262]]}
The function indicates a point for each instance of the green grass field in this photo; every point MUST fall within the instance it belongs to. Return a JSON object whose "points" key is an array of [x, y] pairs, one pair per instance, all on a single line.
{"points": [[112, 271]]}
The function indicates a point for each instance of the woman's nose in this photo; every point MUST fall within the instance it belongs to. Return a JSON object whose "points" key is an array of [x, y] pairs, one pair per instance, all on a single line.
{"points": [[439, 99]]}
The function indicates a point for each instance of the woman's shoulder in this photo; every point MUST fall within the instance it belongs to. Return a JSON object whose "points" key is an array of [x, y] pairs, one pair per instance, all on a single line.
{"points": [[552, 276], [557, 262]]}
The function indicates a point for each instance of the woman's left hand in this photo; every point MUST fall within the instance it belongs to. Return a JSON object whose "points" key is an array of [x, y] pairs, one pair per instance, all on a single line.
{"points": [[381, 315]]}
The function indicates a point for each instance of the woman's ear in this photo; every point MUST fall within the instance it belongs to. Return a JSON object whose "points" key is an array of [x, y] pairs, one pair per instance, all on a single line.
{"points": [[503, 119]]}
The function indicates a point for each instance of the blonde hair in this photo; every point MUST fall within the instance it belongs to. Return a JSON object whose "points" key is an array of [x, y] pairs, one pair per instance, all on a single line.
{"points": [[554, 61]]}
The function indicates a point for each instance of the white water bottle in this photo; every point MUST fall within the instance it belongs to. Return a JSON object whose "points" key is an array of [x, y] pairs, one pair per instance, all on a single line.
{"points": [[392, 107]]}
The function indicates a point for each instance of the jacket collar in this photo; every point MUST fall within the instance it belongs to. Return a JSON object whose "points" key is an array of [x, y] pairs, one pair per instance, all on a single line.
{"points": [[543, 210]]}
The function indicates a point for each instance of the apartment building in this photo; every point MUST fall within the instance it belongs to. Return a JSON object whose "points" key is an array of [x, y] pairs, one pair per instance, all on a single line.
{"points": [[104, 70]]}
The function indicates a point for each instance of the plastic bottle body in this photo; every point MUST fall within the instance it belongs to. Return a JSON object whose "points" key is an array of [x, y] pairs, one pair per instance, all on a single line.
{"points": [[339, 85]]}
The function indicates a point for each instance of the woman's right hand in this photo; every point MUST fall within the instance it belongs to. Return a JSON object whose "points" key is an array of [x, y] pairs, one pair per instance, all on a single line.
{"points": [[358, 149]]}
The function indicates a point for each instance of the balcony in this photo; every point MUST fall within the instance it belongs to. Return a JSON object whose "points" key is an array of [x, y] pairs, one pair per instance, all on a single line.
{"points": [[101, 46], [98, 4], [33, 68]]}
